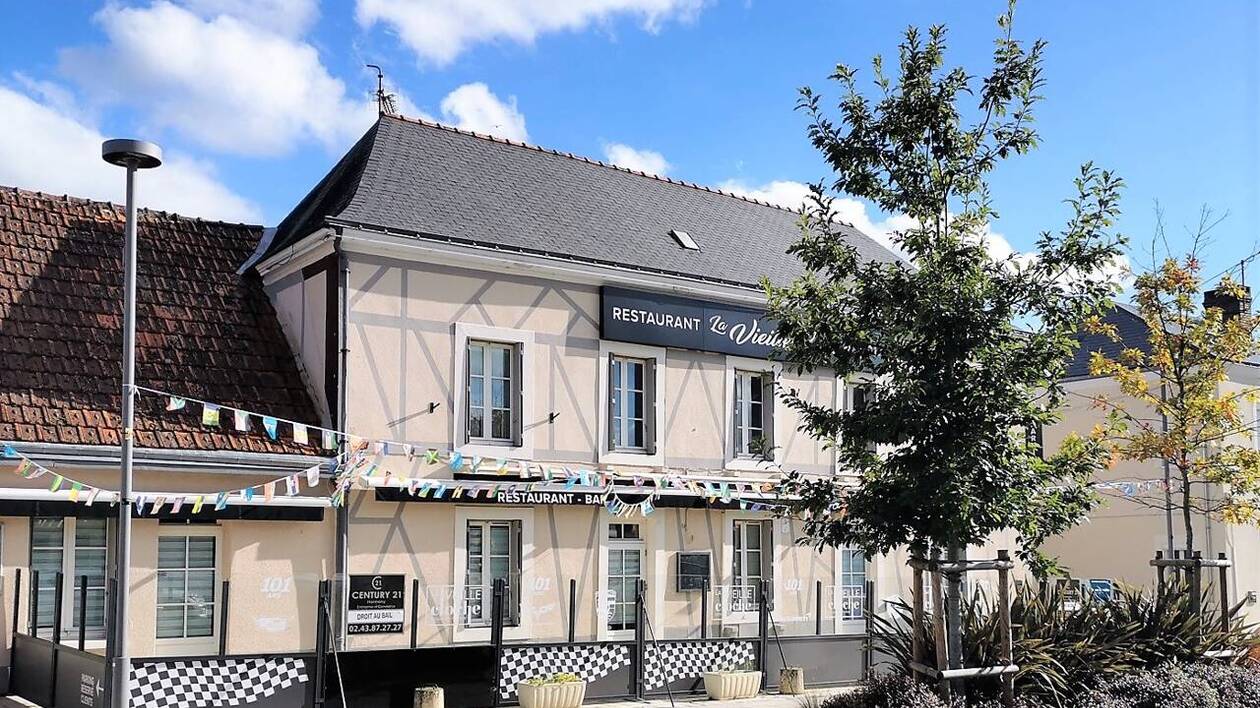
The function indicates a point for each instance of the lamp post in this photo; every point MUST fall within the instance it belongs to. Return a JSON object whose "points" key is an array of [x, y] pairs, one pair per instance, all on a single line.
{"points": [[134, 155]]}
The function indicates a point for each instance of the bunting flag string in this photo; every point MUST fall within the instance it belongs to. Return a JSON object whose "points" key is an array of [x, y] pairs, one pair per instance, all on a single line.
{"points": [[329, 439], [82, 492]]}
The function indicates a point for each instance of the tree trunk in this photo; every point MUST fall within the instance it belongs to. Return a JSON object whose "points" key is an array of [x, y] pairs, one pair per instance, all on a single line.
{"points": [[953, 617], [1186, 518]]}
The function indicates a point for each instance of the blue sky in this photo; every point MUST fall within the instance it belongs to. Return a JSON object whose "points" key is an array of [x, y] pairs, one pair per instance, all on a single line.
{"points": [[254, 99]]}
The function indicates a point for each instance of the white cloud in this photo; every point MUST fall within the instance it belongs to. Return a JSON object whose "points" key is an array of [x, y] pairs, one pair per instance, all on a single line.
{"points": [[46, 150], [289, 17], [222, 81], [439, 30], [648, 161], [474, 107], [790, 194]]}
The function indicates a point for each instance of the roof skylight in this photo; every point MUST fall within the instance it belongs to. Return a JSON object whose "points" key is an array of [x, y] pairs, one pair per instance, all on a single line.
{"points": [[684, 239]]}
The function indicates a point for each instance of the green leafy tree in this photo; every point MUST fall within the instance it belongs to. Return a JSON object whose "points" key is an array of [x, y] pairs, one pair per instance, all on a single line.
{"points": [[963, 350], [1176, 403]]}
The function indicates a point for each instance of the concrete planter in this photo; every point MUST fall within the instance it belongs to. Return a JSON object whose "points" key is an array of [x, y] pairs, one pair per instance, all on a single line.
{"points": [[730, 685], [552, 695], [792, 680]]}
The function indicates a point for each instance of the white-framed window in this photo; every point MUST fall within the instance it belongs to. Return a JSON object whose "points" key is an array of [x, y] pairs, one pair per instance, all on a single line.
{"points": [[752, 426], [493, 553], [751, 442], [492, 542], [631, 388], [75, 547], [752, 561], [851, 585], [625, 570], [492, 415], [493, 409], [186, 580]]}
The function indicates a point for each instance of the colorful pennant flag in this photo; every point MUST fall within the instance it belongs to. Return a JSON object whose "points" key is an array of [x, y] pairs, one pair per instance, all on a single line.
{"points": [[430, 456], [209, 414], [312, 475], [291, 485], [270, 425], [177, 504], [220, 501], [269, 491], [56, 483], [75, 488], [329, 440], [175, 403], [91, 497], [197, 502], [299, 434], [241, 420]]}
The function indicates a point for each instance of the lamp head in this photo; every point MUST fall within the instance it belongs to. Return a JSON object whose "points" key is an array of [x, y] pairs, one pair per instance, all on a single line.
{"points": [[126, 152]]}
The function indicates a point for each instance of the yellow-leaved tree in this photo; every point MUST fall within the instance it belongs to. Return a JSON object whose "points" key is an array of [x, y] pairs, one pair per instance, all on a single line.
{"points": [[1180, 403]]}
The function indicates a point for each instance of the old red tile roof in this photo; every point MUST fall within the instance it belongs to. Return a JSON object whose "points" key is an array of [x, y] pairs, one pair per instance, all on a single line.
{"points": [[202, 329]]}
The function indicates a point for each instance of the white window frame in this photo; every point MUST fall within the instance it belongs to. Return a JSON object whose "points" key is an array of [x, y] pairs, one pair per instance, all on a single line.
{"points": [[95, 636], [727, 571], [190, 645], [459, 413], [652, 569], [733, 461], [485, 512], [607, 350], [488, 350], [604, 632], [851, 626]]}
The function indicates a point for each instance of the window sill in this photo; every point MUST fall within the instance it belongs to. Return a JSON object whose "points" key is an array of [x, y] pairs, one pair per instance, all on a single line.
{"points": [[632, 458], [491, 450]]}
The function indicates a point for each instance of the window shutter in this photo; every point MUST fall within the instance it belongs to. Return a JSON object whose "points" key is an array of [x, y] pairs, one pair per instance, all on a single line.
{"points": [[467, 384], [767, 412], [649, 407], [612, 418], [518, 394], [767, 557]]}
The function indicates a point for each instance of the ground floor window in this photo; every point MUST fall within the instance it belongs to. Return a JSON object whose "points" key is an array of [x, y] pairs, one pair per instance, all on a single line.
{"points": [[625, 569], [494, 553], [185, 587], [852, 585], [75, 548], [752, 561]]}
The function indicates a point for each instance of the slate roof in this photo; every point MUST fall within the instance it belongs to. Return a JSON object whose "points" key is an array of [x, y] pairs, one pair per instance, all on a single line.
{"points": [[431, 181], [202, 329], [1133, 335]]}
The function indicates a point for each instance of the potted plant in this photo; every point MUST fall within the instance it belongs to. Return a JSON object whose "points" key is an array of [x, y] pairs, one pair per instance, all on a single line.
{"points": [[560, 690], [743, 681]]}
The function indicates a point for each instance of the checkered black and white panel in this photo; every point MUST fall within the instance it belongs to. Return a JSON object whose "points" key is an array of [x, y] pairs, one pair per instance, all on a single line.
{"points": [[213, 682], [671, 661], [588, 662]]}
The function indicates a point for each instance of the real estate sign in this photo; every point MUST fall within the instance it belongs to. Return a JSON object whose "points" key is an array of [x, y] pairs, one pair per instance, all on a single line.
{"points": [[376, 604]]}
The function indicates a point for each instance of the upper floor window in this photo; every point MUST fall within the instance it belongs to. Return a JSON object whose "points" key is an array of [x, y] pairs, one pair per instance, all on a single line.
{"points": [[493, 402], [753, 418], [631, 397]]}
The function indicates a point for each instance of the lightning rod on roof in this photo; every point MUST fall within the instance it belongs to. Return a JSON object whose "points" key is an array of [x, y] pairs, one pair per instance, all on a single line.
{"points": [[384, 101]]}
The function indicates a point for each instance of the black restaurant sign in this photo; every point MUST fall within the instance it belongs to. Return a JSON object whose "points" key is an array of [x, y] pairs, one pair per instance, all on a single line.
{"points": [[376, 604], [684, 323]]}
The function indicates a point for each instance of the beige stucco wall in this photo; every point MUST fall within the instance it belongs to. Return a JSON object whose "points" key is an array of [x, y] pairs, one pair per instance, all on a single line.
{"points": [[1123, 534], [274, 567]]}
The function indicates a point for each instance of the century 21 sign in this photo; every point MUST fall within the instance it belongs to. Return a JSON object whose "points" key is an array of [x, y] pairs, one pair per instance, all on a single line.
{"points": [[671, 321]]}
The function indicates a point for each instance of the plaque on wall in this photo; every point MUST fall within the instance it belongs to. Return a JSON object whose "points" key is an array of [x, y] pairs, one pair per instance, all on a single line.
{"points": [[375, 604]]}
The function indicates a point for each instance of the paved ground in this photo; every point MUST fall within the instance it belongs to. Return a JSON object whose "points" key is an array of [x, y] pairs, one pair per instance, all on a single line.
{"points": [[766, 701]]}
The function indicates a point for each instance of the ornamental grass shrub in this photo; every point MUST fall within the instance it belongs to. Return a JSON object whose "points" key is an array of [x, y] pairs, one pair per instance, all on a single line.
{"points": [[1171, 685], [1059, 651]]}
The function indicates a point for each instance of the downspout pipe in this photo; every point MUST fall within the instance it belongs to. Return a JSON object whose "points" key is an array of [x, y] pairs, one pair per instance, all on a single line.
{"points": [[343, 511]]}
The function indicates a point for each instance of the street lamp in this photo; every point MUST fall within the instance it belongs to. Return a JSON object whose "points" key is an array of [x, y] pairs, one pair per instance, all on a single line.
{"points": [[134, 155]]}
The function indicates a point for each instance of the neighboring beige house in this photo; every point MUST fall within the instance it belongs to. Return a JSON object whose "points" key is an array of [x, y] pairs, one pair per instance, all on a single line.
{"points": [[1121, 537]]}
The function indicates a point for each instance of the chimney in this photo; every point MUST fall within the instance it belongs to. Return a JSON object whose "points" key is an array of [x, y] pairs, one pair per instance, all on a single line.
{"points": [[1230, 305]]}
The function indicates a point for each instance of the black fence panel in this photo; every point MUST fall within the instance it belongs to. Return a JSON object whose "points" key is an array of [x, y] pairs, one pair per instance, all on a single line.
{"points": [[827, 660], [388, 678], [33, 664]]}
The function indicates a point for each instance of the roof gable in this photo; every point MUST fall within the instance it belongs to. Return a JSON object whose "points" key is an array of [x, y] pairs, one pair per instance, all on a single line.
{"points": [[202, 329], [431, 181]]}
